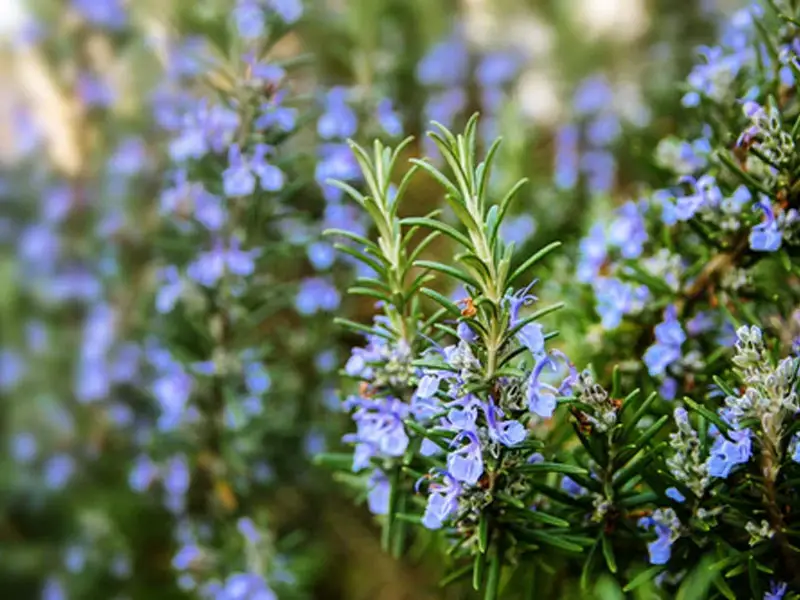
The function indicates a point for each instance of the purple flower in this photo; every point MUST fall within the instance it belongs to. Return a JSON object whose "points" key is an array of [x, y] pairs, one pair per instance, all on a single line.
{"points": [[316, 295], [726, 454], [542, 397], [249, 17], [239, 179], [497, 69], [379, 491], [667, 348], [777, 590], [442, 501], [616, 298], [593, 95], [210, 266], [389, 119], [288, 10], [321, 255], [104, 13], [338, 120], [567, 157], [627, 232], [508, 433], [571, 488], [142, 474], [94, 92], [766, 236], [257, 379], [675, 494], [465, 463], [445, 65], [58, 470]]}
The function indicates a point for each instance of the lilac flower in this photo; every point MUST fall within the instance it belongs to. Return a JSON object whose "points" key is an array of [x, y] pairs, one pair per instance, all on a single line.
{"points": [[104, 13], [593, 94], [627, 231], [257, 378], [600, 169], [176, 479], [675, 494], [239, 179], [777, 590], [129, 158], [766, 237], [248, 529], [497, 69], [210, 266], [571, 488], [444, 106], [336, 161], [249, 17], [389, 119], [288, 10], [316, 295], [465, 464], [24, 447], [142, 474], [726, 454], [246, 586], [603, 129], [567, 157], [667, 348], [94, 92], [531, 335], [379, 491], [542, 397], [616, 299], [274, 115], [338, 120], [592, 254], [508, 433], [53, 590], [188, 555], [446, 64], [442, 501], [321, 255], [666, 525], [465, 333], [12, 369], [58, 470]]}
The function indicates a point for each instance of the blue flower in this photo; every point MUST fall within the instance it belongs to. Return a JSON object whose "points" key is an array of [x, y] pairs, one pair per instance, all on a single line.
{"points": [[316, 295], [567, 157], [726, 454], [249, 17], [209, 267], [571, 488], [389, 119], [667, 348], [442, 501], [508, 433], [338, 120], [777, 590], [465, 464], [379, 491], [288, 10], [766, 237], [675, 494], [445, 65], [105, 13], [239, 179]]}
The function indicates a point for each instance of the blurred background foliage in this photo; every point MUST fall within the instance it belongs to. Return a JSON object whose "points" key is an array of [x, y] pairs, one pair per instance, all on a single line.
{"points": [[580, 90]]}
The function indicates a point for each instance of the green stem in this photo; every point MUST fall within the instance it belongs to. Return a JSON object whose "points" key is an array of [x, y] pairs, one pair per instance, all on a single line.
{"points": [[493, 579]]}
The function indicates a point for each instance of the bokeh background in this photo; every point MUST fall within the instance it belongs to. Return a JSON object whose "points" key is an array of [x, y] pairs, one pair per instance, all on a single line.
{"points": [[124, 473]]}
